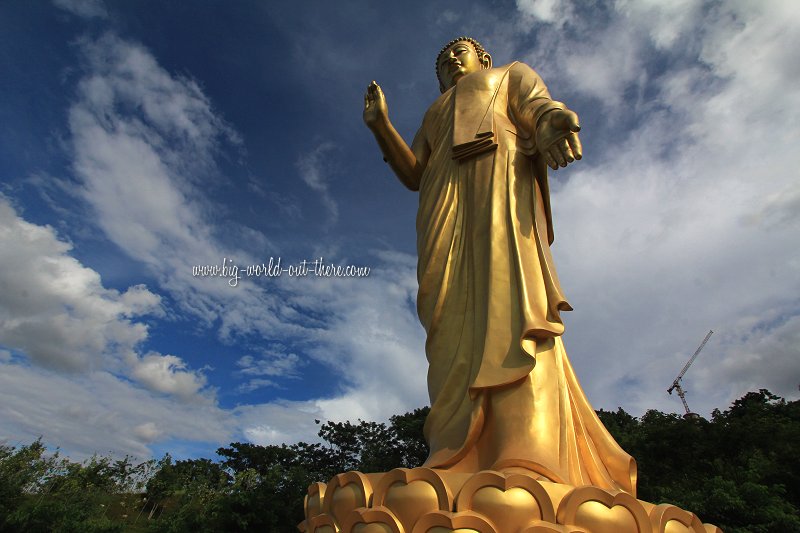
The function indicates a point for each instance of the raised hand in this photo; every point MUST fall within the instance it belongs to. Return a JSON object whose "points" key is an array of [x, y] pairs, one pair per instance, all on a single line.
{"points": [[557, 138], [376, 111]]}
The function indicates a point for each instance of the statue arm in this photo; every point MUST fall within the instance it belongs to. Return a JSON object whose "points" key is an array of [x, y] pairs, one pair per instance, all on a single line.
{"points": [[407, 163], [555, 128]]}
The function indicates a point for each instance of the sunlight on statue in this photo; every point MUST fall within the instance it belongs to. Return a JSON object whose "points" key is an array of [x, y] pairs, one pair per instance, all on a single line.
{"points": [[514, 443], [504, 396]]}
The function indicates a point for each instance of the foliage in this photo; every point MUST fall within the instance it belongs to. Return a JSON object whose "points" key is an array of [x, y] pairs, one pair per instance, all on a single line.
{"points": [[740, 470], [49, 493], [265, 485]]}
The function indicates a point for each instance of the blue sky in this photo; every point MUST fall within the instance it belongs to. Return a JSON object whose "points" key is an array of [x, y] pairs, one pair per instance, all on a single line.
{"points": [[138, 140]]}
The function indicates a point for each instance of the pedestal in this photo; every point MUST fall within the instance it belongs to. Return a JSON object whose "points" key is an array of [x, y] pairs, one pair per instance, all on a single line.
{"points": [[424, 500]]}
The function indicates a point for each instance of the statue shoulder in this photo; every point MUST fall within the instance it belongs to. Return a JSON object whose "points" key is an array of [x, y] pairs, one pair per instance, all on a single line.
{"points": [[518, 68], [516, 71], [507, 66]]}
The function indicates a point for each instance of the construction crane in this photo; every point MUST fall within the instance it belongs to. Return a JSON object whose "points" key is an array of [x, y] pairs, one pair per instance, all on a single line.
{"points": [[676, 385]]}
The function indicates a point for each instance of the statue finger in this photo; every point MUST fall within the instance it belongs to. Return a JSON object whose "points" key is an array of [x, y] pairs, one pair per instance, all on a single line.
{"points": [[575, 145], [558, 156], [550, 161], [566, 151], [572, 121]]}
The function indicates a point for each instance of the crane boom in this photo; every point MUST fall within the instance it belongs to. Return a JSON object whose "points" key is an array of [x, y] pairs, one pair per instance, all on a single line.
{"points": [[676, 384], [693, 357]]}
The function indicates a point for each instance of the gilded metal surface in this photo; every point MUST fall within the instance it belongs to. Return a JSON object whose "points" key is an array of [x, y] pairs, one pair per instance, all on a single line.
{"points": [[503, 392], [515, 444], [428, 500]]}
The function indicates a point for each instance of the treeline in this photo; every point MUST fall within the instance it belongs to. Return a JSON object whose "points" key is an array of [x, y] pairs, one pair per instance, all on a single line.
{"points": [[739, 470]]}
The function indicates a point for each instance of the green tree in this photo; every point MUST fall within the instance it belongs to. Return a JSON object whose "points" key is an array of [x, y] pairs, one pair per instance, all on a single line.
{"points": [[52, 494], [739, 470]]}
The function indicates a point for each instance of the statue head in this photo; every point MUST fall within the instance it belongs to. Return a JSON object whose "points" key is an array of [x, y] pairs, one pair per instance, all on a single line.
{"points": [[459, 57]]}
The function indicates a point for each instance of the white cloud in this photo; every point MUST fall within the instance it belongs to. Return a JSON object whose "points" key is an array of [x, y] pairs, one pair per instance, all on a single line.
{"points": [[144, 142], [136, 130], [147, 432], [687, 223], [256, 384], [767, 355], [83, 8], [375, 341], [550, 11], [665, 22], [67, 412], [167, 374], [131, 162], [55, 309], [140, 136], [312, 167], [682, 227], [278, 423], [57, 312], [271, 363], [274, 363]]}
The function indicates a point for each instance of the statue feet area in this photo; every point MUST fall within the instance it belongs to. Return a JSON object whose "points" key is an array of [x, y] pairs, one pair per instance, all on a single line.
{"points": [[424, 500]]}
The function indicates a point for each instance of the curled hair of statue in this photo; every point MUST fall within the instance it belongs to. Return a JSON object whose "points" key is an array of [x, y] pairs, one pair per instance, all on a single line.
{"points": [[482, 53]]}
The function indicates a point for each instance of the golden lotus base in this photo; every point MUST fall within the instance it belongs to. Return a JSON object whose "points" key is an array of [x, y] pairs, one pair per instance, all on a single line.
{"points": [[424, 500]]}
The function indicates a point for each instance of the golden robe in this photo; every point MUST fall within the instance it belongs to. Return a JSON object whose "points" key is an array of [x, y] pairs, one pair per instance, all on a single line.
{"points": [[503, 393]]}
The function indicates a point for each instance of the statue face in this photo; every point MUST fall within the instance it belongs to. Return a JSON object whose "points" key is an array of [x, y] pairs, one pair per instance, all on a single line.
{"points": [[456, 62]]}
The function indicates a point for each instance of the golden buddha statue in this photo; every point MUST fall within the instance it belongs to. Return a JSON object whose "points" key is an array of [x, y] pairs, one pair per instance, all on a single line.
{"points": [[503, 393], [515, 445]]}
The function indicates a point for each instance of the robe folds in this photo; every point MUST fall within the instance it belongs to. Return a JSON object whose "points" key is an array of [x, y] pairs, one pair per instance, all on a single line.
{"points": [[503, 393]]}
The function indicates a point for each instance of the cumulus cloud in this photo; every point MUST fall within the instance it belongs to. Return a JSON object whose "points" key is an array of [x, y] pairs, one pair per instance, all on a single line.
{"points": [[167, 374], [371, 340], [115, 146], [375, 343], [144, 145], [65, 411], [55, 309], [143, 139], [140, 139], [676, 221], [57, 312], [675, 228], [374, 340]]}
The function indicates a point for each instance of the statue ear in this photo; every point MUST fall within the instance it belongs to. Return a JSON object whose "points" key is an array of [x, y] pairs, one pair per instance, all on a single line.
{"points": [[486, 61]]}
